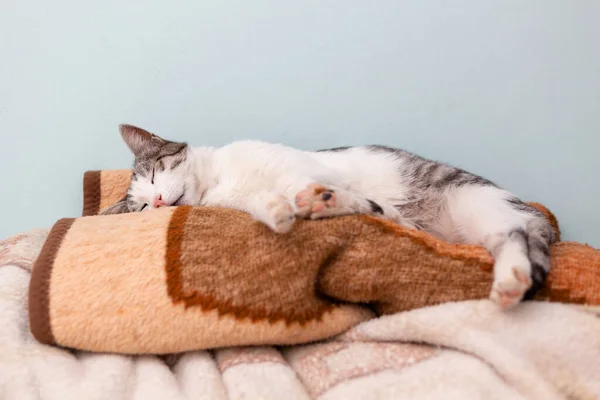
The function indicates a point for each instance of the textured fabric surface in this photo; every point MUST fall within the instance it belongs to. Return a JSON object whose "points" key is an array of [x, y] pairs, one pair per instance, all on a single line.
{"points": [[191, 278], [466, 350]]}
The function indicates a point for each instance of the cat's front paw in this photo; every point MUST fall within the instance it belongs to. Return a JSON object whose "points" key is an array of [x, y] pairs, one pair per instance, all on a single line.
{"points": [[280, 215], [315, 201], [508, 290]]}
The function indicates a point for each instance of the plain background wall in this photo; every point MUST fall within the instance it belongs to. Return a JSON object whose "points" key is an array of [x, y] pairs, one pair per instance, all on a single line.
{"points": [[507, 89]]}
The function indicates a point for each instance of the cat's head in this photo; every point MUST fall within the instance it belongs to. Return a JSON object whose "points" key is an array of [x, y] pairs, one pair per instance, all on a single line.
{"points": [[163, 173]]}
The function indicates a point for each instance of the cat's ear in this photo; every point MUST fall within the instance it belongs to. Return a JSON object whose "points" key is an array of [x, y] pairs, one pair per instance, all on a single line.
{"points": [[138, 139], [118, 208]]}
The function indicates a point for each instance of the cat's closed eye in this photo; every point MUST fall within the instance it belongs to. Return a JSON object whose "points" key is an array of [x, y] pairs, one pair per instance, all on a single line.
{"points": [[158, 165], [144, 206]]}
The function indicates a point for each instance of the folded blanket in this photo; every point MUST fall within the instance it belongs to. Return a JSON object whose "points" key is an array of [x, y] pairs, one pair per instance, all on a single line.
{"points": [[188, 278], [467, 350]]}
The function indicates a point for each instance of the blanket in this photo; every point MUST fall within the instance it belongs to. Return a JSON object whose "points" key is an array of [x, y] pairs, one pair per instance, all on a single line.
{"points": [[457, 350], [190, 278]]}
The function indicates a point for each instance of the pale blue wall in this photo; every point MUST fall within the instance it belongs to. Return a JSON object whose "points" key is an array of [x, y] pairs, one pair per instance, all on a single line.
{"points": [[507, 89]]}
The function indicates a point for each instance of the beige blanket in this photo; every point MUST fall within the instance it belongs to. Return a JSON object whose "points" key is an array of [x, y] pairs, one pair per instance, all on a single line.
{"points": [[464, 350]]}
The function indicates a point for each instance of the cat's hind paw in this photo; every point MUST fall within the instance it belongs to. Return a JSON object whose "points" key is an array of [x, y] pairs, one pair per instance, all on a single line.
{"points": [[508, 291]]}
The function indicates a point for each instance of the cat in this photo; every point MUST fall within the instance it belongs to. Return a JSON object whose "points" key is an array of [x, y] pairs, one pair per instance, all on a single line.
{"points": [[278, 184]]}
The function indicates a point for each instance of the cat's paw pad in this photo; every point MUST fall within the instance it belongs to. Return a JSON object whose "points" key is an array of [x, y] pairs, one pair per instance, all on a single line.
{"points": [[281, 216], [508, 291], [314, 201]]}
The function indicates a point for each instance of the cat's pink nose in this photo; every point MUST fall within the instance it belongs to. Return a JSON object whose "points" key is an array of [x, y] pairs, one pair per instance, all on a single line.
{"points": [[158, 202]]}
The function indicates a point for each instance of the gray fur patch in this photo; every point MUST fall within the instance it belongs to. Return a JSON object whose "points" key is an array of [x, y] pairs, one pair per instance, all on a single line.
{"points": [[427, 174], [167, 156]]}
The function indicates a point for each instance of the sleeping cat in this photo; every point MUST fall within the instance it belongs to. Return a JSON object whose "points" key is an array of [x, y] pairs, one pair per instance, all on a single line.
{"points": [[278, 184]]}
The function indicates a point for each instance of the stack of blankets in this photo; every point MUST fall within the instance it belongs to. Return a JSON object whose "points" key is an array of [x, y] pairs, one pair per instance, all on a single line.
{"points": [[202, 303]]}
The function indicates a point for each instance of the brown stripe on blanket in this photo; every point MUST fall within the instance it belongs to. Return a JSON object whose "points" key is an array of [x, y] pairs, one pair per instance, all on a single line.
{"points": [[173, 265], [39, 286], [92, 193], [208, 265], [104, 188]]}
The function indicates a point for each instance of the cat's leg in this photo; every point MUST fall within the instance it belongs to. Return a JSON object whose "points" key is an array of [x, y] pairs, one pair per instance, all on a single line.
{"points": [[271, 208], [517, 235], [318, 201]]}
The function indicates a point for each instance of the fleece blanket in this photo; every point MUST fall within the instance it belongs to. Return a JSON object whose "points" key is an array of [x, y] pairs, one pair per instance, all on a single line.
{"points": [[460, 350]]}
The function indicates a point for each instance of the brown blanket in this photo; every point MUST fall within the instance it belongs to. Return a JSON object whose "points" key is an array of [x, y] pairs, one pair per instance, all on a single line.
{"points": [[185, 278]]}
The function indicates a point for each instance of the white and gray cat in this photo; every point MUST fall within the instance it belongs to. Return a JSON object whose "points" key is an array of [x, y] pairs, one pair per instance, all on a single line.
{"points": [[278, 184]]}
